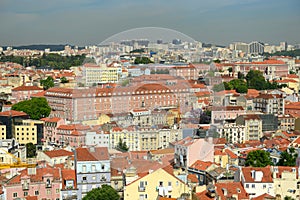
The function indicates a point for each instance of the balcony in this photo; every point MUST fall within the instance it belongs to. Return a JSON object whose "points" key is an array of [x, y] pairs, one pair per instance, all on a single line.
{"points": [[48, 185]]}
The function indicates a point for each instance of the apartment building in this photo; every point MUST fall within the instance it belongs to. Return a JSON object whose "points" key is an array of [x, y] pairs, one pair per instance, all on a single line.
{"points": [[234, 133], [160, 183], [252, 124], [92, 169], [270, 68], [144, 138], [269, 104], [220, 114], [187, 72], [189, 150], [88, 103], [96, 74], [23, 92]]}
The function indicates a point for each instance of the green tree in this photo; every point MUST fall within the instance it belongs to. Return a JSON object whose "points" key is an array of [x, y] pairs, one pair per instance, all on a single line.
{"points": [[30, 150], [47, 83], [256, 80], [105, 192], [258, 158], [122, 146], [242, 89], [288, 158], [142, 60], [36, 108], [64, 80]]}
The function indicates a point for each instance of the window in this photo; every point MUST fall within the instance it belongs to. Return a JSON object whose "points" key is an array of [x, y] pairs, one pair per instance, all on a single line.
{"points": [[247, 185], [264, 186], [57, 191], [25, 194], [36, 193], [169, 183], [93, 168], [83, 168], [48, 191], [161, 184], [94, 177], [15, 194], [253, 185], [103, 167], [84, 178]]}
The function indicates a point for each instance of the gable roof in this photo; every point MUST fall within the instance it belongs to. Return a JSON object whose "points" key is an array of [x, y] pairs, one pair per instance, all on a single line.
{"points": [[58, 153], [234, 188], [266, 174], [92, 154]]}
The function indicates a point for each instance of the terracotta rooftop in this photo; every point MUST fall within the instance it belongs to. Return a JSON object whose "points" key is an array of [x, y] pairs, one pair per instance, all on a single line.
{"points": [[234, 188], [92, 154], [264, 197], [53, 119], [266, 174], [37, 177], [58, 153], [13, 113], [26, 88], [201, 165]]}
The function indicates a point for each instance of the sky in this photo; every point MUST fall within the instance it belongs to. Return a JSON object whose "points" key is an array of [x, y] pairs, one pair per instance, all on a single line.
{"points": [[89, 22]]}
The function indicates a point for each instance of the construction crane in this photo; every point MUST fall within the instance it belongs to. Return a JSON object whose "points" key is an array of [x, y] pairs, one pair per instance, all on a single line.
{"points": [[16, 162]]}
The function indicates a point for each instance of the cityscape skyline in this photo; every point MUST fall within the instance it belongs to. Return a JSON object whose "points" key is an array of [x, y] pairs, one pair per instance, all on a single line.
{"points": [[217, 22]]}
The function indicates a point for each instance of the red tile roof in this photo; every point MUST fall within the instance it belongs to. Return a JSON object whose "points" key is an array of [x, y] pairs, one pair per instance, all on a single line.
{"points": [[37, 177], [264, 197], [13, 113], [204, 196], [266, 174], [58, 153], [53, 119], [92, 154], [26, 88], [68, 174], [234, 188], [201, 165]]}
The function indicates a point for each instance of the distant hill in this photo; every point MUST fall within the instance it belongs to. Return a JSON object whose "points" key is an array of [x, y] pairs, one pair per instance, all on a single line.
{"points": [[52, 47]]}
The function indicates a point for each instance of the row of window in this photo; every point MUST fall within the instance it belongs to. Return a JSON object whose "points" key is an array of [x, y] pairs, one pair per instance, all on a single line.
{"points": [[36, 193]]}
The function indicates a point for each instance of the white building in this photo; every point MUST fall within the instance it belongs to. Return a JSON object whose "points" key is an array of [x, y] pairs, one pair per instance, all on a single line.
{"points": [[100, 139], [232, 132]]}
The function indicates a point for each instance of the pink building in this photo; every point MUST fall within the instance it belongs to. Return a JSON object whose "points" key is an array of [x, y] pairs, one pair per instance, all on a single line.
{"points": [[226, 113], [23, 92], [187, 72], [50, 129], [72, 134], [44, 183], [189, 150], [270, 68], [88, 103]]}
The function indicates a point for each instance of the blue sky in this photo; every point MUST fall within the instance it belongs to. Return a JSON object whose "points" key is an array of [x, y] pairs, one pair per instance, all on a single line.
{"points": [[85, 22]]}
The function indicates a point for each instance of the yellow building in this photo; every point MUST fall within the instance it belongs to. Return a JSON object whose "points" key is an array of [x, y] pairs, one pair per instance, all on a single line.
{"points": [[224, 157], [102, 119], [157, 183], [286, 181], [26, 132], [2, 132], [94, 74]]}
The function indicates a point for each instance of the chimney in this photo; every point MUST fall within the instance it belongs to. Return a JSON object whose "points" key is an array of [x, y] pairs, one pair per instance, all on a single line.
{"points": [[224, 191], [253, 174]]}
